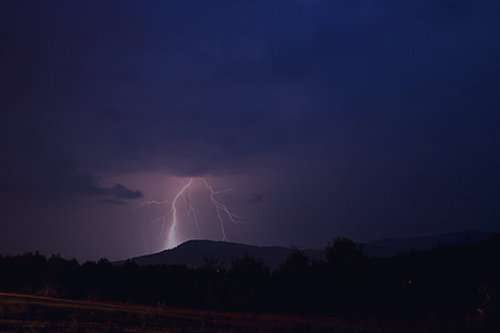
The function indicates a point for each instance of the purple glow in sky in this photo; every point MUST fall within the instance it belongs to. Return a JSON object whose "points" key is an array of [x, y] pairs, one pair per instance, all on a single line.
{"points": [[184, 209], [366, 119]]}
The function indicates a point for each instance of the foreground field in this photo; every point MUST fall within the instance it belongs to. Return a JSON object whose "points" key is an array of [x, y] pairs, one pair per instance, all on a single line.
{"points": [[22, 313]]}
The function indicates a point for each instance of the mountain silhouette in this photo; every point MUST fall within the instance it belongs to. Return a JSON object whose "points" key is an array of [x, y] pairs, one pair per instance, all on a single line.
{"points": [[192, 252]]}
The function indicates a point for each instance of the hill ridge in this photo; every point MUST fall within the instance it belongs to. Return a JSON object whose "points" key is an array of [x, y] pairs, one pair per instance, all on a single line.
{"points": [[191, 251]]}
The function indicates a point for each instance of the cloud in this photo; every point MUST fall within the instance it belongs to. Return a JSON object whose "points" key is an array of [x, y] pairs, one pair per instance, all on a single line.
{"points": [[84, 183], [113, 202], [256, 198], [200, 99], [122, 192], [114, 115]]}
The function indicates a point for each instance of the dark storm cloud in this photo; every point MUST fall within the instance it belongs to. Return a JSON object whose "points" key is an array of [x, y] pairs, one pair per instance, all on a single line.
{"points": [[204, 87], [113, 202], [449, 10], [256, 198], [114, 115], [393, 105], [85, 183]]}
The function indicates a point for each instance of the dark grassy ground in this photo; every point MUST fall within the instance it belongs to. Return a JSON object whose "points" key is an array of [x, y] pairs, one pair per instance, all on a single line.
{"points": [[20, 313]]}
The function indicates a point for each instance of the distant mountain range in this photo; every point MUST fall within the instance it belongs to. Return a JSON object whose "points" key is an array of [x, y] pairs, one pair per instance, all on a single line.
{"points": [[430, 242], [192, 252]]}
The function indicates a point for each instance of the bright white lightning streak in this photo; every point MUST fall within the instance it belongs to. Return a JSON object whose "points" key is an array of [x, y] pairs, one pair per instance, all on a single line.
{"points": [[172, 239], [220, 208], [185, 193]]}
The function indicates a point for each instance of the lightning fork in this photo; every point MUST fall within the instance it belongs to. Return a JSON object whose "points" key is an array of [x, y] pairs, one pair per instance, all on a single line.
{"points": [[191, 212]]}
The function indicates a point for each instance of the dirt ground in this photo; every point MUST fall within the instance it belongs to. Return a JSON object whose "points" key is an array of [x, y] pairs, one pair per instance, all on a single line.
{"points": [[21, 313]]}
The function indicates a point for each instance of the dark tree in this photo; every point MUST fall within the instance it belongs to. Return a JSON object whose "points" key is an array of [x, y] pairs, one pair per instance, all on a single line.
{"points": [[342, 251], [296, 264], [292, 282], [248, 278]]}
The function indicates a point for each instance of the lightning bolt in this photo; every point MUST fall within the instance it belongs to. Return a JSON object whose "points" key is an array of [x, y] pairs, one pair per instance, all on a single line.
{"points": [[171, 217]]}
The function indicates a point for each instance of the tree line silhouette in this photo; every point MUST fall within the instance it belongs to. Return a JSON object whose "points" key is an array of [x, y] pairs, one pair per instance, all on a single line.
{"points": [[449, 280]]}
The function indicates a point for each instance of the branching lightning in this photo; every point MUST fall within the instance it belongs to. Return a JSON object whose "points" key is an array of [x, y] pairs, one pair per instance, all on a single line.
{"points": [[170, 220]]}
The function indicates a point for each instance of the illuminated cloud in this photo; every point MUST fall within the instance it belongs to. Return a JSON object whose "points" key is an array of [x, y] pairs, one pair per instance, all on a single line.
{"points": [[363, 118], [113, 202], [256, 198], [84, 183]]}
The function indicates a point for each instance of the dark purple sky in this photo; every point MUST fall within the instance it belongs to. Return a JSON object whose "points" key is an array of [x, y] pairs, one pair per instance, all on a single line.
{"points": [[360, 118]]}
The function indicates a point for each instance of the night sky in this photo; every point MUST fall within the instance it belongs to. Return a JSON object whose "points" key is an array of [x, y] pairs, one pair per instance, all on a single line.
{"points": [[366, 119]]}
